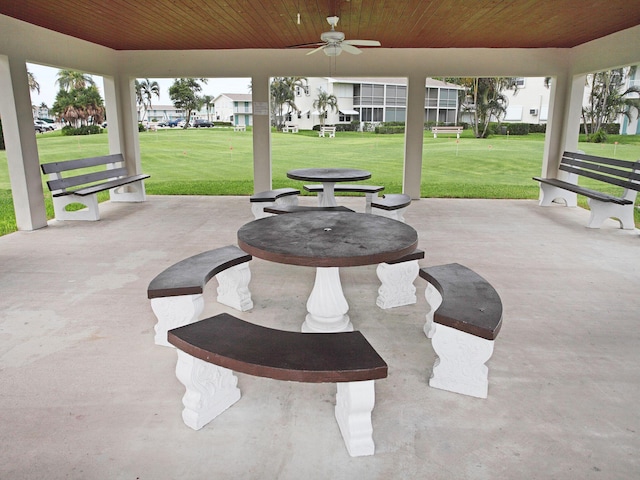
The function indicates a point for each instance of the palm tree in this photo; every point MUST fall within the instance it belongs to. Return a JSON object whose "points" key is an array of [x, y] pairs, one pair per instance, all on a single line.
{"points": [[207, 101], [145, 90], [325, 102], [485, 100], [33, 84], [282, 93], [73, 79]]}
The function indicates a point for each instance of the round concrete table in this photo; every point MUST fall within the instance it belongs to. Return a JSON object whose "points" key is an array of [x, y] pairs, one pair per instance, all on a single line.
{"points": [[327, 240], [328, 177]]}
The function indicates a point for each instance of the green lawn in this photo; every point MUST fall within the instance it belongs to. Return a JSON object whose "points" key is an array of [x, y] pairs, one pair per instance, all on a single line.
{"points": [[220, 161]]}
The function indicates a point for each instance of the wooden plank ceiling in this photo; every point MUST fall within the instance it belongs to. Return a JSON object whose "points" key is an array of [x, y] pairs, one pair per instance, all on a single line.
{"points": [[234, 24]]}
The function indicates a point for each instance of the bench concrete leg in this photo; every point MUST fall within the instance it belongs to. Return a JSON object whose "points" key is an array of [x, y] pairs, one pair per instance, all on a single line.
{"points": [[368, 199], [397, 286], [460, 366], [90, 213], [289, 200], [233, 287], [174, 312], [394, 214], [434, 300], [132, 192], [552, 194], [354, 404], [210, 389], [257, 208], [601, 211]]}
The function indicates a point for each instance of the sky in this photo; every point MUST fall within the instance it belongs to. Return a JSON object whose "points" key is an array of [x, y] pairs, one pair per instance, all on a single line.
{"points": [[47, 76]]}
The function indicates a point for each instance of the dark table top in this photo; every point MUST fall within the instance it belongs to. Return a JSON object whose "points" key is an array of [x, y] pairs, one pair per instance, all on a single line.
{"points": [[327, 239], [328, 174]]}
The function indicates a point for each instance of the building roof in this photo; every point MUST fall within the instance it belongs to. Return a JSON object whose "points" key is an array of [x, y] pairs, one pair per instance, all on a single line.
{"points": [[273, 24]]}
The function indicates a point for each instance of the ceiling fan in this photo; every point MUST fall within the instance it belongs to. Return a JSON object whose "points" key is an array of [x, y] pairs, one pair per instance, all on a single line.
{"points": [[334, 42]]}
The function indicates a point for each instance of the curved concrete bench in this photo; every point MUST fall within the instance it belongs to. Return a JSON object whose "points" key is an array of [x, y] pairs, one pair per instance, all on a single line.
{"points": [[271, 198], [463, 322], [392, 205], [211, 349], [176, 293]]}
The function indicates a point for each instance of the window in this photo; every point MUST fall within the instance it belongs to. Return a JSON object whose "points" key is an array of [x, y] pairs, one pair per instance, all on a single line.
{"points": [[520, 82], [448, 98], [368, 94], [396, 114], [396, 95], [431, 98]]}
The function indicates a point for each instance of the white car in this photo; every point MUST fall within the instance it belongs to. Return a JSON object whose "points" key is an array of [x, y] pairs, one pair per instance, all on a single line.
{"points": [[43, 126]]}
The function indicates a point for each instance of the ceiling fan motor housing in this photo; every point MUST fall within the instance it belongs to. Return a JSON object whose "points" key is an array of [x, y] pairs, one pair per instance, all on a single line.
{"points": [[332, 37]]}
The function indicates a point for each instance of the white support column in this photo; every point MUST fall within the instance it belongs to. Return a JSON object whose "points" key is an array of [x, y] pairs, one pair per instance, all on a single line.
{"points": [[354, 404], [413, 137], [565, 108], [21, 146], [261, 134]]}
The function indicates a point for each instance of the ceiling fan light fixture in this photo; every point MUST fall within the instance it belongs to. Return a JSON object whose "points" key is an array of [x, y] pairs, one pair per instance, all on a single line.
{"points": [[332, 50]]}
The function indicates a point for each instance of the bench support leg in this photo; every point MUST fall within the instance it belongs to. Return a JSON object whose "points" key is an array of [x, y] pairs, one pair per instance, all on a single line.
{"points": [[368, 199], [233, 287], [434, 300], [327, 306], [394, 214], [174, 312], [90, 213], [601, 211], [354, 404], [132, 192], [460, 366], [551, 193], [210, 390], [397, 288], [257, 208]]}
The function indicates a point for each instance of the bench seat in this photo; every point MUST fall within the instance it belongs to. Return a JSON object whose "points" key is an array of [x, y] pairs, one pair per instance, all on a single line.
{"points": [[464, 319], [300, 208], [452, 129], [176, 293], [370, 191], [271, 198], [622, 174], [76, 181], [392, 205], [209, 351]]}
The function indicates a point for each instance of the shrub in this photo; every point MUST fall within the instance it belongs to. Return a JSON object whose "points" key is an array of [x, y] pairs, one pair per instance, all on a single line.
{"points": [[83, 130], [389, 129], [537, 128], [599, 137], [1, 137], [517, 128]]}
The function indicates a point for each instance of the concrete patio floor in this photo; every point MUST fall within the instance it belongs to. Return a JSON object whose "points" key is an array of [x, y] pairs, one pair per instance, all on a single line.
{"points": [[86, 394]]}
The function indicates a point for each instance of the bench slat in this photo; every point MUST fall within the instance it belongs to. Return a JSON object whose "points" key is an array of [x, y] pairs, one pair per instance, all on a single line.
{"points": [[118, 182], [273, 195], [587, 192], [189, 276], [244, 347], [469, 303], [603, 178], [299, 208], [393, 201], [84, 179], [342, 187], [56, 167]]}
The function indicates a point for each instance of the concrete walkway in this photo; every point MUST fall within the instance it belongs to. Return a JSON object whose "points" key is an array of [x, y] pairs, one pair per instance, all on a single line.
{"points": [[87, 395]]}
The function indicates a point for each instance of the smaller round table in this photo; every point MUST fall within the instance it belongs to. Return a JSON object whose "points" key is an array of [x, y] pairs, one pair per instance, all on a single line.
{"points": [[328, 177], [327, 240]]}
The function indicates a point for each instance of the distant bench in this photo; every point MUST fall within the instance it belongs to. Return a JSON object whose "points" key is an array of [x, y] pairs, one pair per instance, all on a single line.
{"points": [[370, 191], [450, 130], [330, 131], [176, 292], [609, 171], [240, 128], [76, 181], [290, 129], [209, 351], [464, 319]]}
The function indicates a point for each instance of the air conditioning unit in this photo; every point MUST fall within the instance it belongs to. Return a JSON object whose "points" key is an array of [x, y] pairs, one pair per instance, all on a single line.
{"points": [[533, 111]]}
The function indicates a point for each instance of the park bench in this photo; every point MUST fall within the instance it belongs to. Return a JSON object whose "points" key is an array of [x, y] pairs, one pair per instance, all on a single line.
{"points": [[290, 129], [448, 130], [271, 198], [463, 322], [240, 128], [77, 181], [391, 205], [396, 280], [209, 351], [370, 191], [330, 131], [623, 174], [176, 293]]}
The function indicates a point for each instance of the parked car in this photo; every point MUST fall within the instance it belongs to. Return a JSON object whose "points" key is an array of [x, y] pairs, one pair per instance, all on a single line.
{"points": [[175, 122], [202, 123], [39, 128], [44, 126]]}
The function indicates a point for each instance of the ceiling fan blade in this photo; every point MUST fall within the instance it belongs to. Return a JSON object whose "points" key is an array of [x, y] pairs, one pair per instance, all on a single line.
{"points": [[350, 48], [363, 43], [316, 50], [306, 45]]}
